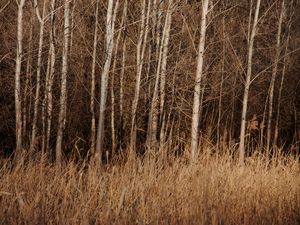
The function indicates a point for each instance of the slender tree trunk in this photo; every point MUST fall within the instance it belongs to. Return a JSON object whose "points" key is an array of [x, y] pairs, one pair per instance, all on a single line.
{"points": [[121, 124], [160, 76], [247, 86], [73, 4], [27, 82], [49, 82], [274, 73], [113, 130], [110, 26], [199, 74], [18, 97], [141, 46], [93, 82], [44, 103], [122, 84], [281, 84], [63, 96], [38, 75], [221, 85], [168, 128], [164, 71], [262, 124]]}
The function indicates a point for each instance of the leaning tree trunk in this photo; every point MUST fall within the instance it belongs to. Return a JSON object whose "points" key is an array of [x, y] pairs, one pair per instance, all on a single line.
{"points": [[63, 95], [18, 97], [110, 26], [199, 74], [247, 85], [274, 73]]}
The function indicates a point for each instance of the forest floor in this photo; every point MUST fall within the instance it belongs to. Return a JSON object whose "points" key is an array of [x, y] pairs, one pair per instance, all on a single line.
{"points": [[214, 189]]}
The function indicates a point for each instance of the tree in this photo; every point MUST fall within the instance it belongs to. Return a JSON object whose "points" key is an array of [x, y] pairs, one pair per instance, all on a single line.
{"points": [[141, 46], [18, 97], [50, 78], [247, 85], [93, 82], [63, 95], [274, 73], [38, 72], [199, 74], [160, 80], [110, 27]]}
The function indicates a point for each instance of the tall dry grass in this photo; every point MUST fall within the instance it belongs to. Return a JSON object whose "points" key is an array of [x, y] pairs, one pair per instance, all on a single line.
{"points": [[153, 190]]}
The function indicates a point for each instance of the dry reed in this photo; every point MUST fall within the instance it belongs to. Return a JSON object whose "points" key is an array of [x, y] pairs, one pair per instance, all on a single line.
{"points": [[153, 190]]}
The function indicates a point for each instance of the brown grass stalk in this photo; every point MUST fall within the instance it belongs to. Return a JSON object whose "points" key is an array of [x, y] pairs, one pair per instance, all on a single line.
{"points": [[213, 190]]}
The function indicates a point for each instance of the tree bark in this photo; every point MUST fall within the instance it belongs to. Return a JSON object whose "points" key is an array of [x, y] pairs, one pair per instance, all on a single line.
{"points": [[38, 74], [247, 85], [49, 82], [93, 82], [63, 96], [110, 26], [160, 76], [199, 74], [18, 97], [274, 73], [141, 46]]}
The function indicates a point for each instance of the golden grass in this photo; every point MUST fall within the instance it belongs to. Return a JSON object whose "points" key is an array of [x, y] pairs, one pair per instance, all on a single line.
{"points": [[213, 190]]}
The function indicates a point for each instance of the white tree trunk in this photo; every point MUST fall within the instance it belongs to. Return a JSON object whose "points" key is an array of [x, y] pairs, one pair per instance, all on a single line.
{"points": [[44, 103], [49, 83], [164, 71], [281, 83], [199, 74], [63, 95], [113, 130], [160, 76], [18, 97], [247, 85], [38, 75], [221, 84], [274, 73], [141, 46], [122, 78], [93, 83], [27, 90], [110, 26]]}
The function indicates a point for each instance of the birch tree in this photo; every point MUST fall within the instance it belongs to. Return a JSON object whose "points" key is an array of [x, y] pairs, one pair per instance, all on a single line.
{"points": [[141, 46], [274, 74], [247, 84], [124, 48], [110, 27], [27, 89], [113, 130], [50, 78], [63, 95], [160, 76], [38, 72], [199, 75], [93, 82], [18, 97], [283, 74]]}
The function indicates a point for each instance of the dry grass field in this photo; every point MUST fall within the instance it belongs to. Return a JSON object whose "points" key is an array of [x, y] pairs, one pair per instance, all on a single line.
{"points": [[154, 190]]}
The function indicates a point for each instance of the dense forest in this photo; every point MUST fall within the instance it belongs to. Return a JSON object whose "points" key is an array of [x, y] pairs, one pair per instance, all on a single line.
{"points": [[107, 76], [150, 112]]}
